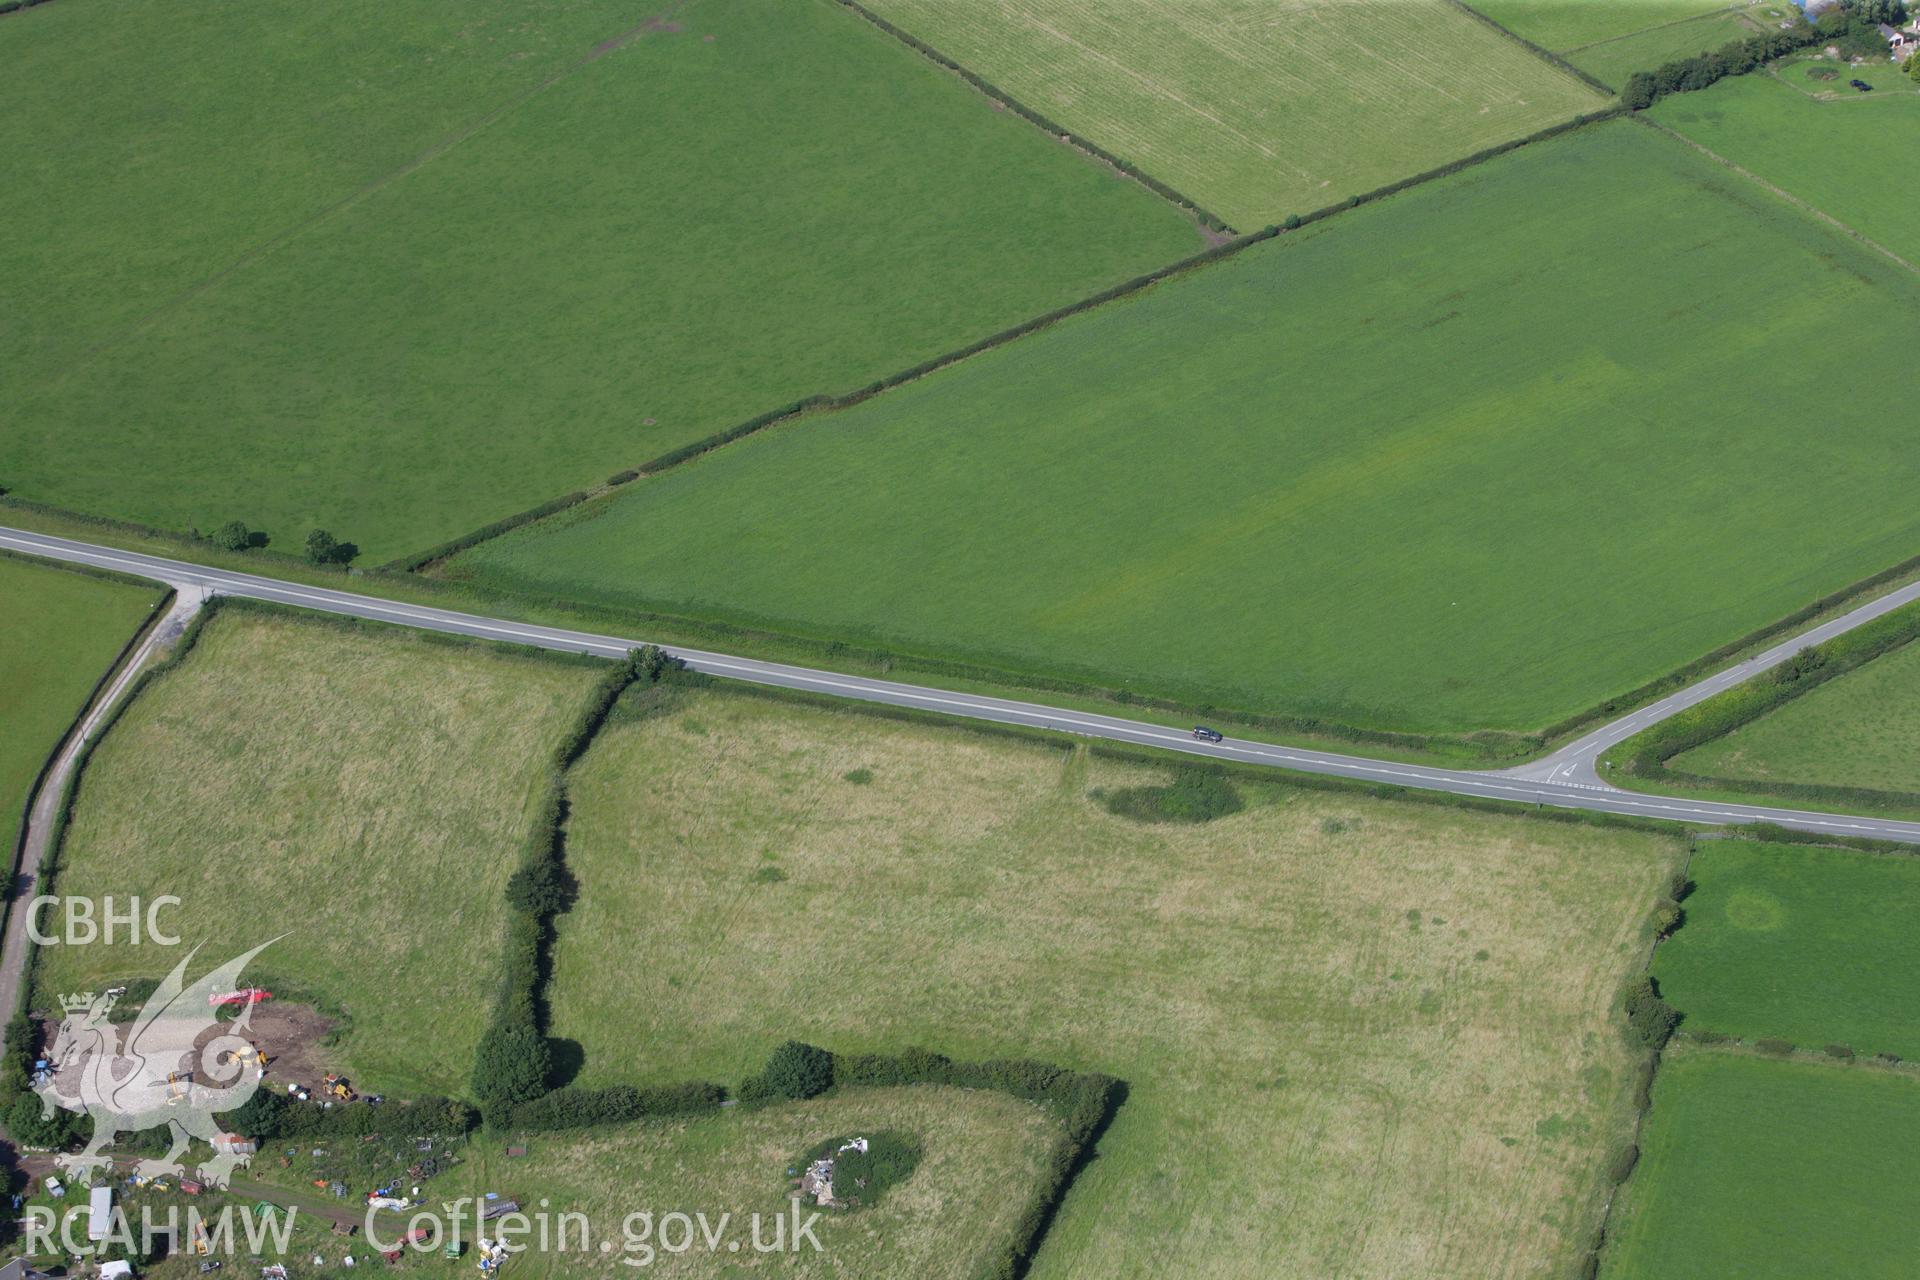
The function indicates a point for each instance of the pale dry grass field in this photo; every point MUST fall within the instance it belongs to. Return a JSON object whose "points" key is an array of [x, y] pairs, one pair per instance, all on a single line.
{"points": [[367, 793], [1362, 1037], [1257, 108], [982, 1154]]}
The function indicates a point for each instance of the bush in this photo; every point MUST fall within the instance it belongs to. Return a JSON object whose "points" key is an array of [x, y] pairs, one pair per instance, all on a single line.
{"points": [[510, 1067], [795, 1070], [861, 1178], [1843, 1052], [232, 536], [323, 548], [1623, 1164], [1195, 795], [1667, 916], [29, 1124], [1650, 1020], [622, 477], [1774, 1048]]}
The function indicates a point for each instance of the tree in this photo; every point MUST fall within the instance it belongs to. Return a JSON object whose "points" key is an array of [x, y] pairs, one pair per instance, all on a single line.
{"points": [[324, 548], [1891, 12], [794, 1070], [233, 536], [511, 1066], [29, 1124]]}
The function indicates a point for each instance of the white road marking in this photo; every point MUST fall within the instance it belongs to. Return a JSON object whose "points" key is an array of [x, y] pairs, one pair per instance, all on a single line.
{"points": [[1561, 787]]}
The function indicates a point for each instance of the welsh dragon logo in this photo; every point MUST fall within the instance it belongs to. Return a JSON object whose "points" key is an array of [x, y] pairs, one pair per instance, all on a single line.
{"points": [[157, 1072]]}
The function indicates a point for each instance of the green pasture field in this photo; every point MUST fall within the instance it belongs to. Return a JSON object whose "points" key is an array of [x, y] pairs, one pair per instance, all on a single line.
{"points": [[1823, 142], [1862, 730], [1811, 946], [367, 793], [59, 630], [982, 1156], [1360, 1037], [1377, 471], [1761, 1169], [521, 291], [1567, 25], [1613, 61], [1252, 109]]}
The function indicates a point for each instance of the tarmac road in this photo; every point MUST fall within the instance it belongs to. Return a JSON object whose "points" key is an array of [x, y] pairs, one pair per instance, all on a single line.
{"points": [[1566, 779]]}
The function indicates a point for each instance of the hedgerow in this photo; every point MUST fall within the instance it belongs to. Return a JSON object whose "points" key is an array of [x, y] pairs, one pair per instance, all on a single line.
{"points": [[1646, 755], [514, 1061]]}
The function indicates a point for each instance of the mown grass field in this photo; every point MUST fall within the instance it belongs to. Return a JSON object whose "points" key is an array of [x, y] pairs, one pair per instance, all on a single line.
{"points": [[1819, 141], [1564, 25], [1811, 946], [524, 247], [1360, 1038], [366, 793], [1766, 1169], [1862, 730], [58, 632], [982, 1156], [1378, 471], [1258, 110], [1613, 61]]}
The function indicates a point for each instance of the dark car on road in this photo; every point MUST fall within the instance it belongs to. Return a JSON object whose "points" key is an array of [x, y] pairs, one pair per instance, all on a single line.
{"points": [[1205, 734]]}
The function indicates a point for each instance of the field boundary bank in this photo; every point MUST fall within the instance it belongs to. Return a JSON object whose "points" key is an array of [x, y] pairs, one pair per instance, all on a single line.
{"points": [[1628, 1159], [1207, 217], [15, 6], [1660, 26], [1644, 757], [1780, 193], [273, 243], [1539, 51], [543, 888], [1493, 746], [155, 617], [831, 402], [158, 612], [63, 814]]}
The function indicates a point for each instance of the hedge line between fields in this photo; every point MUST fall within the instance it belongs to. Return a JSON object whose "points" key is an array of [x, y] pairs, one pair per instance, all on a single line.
{"points": [[1648, 1023], [14, 6], [1027, 113], [154, 618], [1683, 675], [1548, 54], [513, 1063], [57, 837], [824, 401], [453, 546], [1734, 58], [1645, 755]]}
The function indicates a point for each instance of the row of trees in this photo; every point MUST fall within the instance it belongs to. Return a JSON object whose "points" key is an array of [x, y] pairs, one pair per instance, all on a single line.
{"points": [[1853, 28], [321, 547]]}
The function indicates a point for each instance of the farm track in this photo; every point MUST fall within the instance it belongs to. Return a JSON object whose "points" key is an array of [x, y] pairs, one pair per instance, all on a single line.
{"points": [[1567, 779], [42, 819]]}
